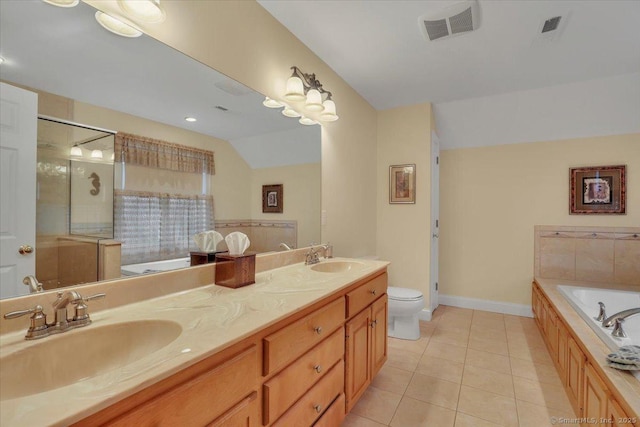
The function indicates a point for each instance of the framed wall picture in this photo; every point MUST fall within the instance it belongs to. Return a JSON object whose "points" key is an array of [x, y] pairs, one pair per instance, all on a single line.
{"points": [[272, 198], [597, 190], [402, 183]]}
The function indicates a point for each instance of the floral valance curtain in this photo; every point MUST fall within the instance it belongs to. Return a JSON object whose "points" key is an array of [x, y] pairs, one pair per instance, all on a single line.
{"points": [[154, 153], [158, 226]]}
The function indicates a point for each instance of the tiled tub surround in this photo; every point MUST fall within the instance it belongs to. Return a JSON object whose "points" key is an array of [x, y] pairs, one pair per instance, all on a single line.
{"points": [[588, 254], [580, 355], [212, 318]]}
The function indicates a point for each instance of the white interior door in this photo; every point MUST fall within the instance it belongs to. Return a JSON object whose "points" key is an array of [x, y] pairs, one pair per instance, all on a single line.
{"points": [[18, 142], [435, 218]]}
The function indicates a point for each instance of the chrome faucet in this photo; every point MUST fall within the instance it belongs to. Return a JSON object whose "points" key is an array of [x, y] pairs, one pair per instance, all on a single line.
{"points": [[609, 321], [39, 328], [33, 284], [328, 250], [285, 246]]}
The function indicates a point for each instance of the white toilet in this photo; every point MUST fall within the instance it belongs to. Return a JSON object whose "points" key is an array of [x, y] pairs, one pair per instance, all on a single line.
{"points": [[404, 306]]}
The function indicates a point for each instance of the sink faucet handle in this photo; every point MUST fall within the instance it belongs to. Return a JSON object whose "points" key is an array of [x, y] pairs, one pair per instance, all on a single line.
{"points": [[38, 318], [617, 328], [602, 314], [81, 307]]}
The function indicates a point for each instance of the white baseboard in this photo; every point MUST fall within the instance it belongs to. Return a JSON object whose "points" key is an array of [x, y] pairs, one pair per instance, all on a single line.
{"points": [[485, 305]]}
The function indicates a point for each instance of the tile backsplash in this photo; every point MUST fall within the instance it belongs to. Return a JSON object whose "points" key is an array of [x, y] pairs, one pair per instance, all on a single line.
{"points": [[589, 254]]}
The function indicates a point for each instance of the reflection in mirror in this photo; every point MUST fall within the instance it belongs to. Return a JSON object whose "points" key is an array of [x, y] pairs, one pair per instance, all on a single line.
{"points": [[141, 87]]}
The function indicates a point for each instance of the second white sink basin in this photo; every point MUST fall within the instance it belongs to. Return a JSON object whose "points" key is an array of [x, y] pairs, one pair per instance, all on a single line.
{"points": [[337, 266], [60, 360]]}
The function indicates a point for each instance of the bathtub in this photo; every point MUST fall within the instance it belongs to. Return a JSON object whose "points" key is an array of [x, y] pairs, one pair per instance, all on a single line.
{"points": [[155, 266], [585, 301]]}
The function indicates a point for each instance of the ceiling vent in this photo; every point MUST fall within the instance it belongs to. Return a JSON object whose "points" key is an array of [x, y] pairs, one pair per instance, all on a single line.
{"points": [[457, 19]]}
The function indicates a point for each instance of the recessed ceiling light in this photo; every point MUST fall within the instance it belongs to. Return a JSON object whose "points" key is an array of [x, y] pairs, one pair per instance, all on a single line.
{"points": [[191, 119], [116, 26], [144, 10], [63, 3]]}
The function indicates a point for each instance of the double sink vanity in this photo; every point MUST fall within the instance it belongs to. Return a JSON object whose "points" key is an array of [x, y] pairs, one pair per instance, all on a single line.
{"points": [[302, 343]]}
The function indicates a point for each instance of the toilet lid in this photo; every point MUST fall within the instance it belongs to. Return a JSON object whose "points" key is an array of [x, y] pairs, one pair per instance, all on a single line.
{"points": [[404, 294]]}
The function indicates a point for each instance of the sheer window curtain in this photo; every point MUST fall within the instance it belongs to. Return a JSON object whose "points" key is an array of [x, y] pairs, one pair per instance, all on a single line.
{"points": [[155, 226]]}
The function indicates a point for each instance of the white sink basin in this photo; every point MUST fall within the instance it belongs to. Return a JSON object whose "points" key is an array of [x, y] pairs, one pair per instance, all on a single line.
{"points": [[337, 266], [60, 360]]}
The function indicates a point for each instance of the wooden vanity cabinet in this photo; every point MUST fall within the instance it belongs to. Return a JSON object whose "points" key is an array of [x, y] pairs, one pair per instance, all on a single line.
{"points": [[366, 337]]}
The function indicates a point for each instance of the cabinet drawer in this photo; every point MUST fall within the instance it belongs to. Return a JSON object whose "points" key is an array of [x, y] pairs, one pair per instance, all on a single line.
{"points": [[199, 400], [311, 405], [285, 388], [366, 294], [334, 415], [244, 414], [291, 341]]}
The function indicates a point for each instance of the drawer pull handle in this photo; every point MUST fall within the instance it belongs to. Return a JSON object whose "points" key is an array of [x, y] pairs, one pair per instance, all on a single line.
{"points": [[318, 408], [318, 329], [317, 368], [374, 323], [373, 292]]}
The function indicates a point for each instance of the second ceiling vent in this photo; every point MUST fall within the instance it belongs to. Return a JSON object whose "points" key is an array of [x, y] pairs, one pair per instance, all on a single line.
{"points": [[457, 19]]}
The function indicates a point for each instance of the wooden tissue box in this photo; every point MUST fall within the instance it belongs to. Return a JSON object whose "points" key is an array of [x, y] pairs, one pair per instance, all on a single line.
{"points": [[235, 271]]}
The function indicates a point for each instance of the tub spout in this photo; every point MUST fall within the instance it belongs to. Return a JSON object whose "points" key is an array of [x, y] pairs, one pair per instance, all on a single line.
{"points": [[611, 320]]}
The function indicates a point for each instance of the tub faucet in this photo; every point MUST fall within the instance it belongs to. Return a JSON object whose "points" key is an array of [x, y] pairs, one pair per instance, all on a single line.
{"points": [[285, 246], [33, 284], [611, 320]]}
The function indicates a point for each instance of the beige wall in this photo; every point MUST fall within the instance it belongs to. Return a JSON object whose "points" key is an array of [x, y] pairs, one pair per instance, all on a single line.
{"points": [[243, 41], [301, 194], [491, 198], [404, 136]]}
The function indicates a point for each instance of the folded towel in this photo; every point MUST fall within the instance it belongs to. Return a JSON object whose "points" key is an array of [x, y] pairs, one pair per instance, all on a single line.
{"points": [[207, 241], [626, 358], [237, 243]]}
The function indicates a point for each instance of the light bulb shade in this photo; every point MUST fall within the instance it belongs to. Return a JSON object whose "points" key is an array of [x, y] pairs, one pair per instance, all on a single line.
{"points": [[329, 113], [271, 103], [113, 156], [63, 3], [75, 151], [143, 10], [290, 112], [295, 89], [96, 154], [307, 121], [116, 26], [314, 101]]}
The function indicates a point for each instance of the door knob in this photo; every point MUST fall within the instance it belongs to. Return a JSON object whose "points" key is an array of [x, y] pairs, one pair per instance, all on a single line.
{"points": [[25, 250]]}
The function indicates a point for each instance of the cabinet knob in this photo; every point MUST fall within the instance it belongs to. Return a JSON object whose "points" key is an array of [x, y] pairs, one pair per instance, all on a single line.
{"points": [[374, 323], [318, 408], [373, 292], [317, 368], [318, 329]]}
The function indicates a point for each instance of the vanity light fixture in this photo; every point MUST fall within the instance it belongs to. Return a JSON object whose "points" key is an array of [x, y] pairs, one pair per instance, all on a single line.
{"points": [[290, 112], [305, 87], [96, 154], [75, 151], [116, 26], [143, 10], [271, 103], [191, 119], [307, 121], [63, 3]]}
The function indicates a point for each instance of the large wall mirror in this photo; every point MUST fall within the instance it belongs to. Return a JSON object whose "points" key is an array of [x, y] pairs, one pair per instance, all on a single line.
{"points": [[87, 76]]}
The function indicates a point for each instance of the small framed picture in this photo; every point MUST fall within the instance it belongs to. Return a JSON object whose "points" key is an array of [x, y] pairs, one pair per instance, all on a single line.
{"points": [[272, 201], [402, 183], [597, 190]]}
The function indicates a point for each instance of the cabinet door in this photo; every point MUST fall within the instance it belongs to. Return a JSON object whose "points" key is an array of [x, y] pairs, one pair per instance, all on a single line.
{"points": [[563, 337], [595, 396], [244, 414], [378, 334], [575, 375], [552, 333], [617, 416], [358, 369]]}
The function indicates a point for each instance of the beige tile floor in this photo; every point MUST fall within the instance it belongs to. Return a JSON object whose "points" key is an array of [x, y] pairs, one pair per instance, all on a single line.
{"points": [[469, 368]]}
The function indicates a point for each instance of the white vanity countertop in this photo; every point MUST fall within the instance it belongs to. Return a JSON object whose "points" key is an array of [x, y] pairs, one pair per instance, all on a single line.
{"points": [[212, 318]]}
